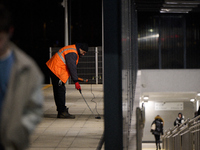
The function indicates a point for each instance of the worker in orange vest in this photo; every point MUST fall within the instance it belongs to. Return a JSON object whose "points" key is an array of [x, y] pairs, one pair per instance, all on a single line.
{"points": [[61, 66]]}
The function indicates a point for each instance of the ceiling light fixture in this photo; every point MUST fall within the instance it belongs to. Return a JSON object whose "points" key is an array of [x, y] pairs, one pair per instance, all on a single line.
{"points": [[181, 2], [192, 100], [180, 5]]}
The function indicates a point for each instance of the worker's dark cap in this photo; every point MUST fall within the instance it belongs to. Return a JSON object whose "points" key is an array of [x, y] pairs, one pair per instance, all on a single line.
{"points": [[84, 46]]}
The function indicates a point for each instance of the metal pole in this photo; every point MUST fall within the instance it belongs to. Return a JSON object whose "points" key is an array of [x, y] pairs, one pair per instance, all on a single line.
{"points": [[50, 52], [65, 5], [66, 24], [102, 45], [96, 64]]}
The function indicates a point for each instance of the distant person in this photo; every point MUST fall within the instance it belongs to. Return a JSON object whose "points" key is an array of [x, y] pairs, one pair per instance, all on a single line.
{"points": [[179, 120], [21, 98], [157, 130], [61, 66]]}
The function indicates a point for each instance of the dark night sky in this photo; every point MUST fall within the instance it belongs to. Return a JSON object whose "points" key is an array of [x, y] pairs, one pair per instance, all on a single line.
{"points": [[39, 24]]}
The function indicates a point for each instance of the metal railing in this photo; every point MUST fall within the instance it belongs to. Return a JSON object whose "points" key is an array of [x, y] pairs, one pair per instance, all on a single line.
{"points": [[183, 137]]}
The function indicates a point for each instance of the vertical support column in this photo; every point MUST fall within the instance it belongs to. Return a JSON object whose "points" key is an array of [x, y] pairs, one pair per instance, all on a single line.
{"points": [[112, 75], [96, 64], [184, 44], [102, 44]]}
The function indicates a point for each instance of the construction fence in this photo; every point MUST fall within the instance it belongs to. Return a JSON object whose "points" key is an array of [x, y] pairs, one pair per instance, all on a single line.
{"points": [[90, 66]]}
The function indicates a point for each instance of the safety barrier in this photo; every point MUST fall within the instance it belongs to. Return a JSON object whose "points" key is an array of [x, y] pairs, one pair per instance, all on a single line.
{"points": [[89, 67], [183, 137]]}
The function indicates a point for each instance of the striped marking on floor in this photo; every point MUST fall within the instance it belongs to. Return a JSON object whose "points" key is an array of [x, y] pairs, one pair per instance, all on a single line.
{"points": [[46, 86]]}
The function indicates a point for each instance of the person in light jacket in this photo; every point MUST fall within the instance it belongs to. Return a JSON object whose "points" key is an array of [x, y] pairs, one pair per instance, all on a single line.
{"points": [[21, 98], [179, 120]]}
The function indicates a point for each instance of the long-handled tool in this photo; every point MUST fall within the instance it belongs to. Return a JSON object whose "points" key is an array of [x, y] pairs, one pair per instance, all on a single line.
{"points": [[96, 117], [83, 80]]}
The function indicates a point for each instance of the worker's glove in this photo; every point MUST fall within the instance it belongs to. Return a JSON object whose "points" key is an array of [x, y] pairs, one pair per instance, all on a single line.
{"points": [[77, 85]]}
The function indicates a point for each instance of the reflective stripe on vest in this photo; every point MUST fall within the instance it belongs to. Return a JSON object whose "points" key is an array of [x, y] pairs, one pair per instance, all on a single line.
{"points": [[57, 64], [60, 54]]}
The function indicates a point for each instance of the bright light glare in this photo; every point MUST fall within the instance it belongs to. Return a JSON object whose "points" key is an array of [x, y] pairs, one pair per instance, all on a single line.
{"points": [[150, 30], [191, 100], [149, 37]]}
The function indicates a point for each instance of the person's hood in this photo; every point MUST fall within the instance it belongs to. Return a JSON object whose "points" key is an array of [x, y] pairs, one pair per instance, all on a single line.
{"points": [[181, 117], [78, 48], [83, 46], [158, 117]]}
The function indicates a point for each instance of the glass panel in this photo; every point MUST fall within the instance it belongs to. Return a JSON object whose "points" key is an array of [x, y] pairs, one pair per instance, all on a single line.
{"points": [[148, 36], [172, 42]]}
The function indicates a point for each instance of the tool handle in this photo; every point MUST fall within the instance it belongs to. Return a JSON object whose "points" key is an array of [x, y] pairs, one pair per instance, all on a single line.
{"points": [[83, 80]]}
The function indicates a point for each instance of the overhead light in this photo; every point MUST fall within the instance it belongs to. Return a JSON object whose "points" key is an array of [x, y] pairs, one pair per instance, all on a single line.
{"points": [[171, 2], [175, 10], [190, 3], [192, 100], [150, 30], [198, 94], [148, 38], [164, 9], [181, 2], [180, 5], [145, 97], [174, 6]]}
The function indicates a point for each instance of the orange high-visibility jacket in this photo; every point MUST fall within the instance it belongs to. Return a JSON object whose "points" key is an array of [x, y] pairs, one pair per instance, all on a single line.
{"points": [[58, 65]]}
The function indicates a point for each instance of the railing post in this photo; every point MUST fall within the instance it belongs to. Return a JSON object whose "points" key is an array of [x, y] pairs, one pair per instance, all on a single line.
{"points": [[177, 144], [169, 140], [197, 141]]}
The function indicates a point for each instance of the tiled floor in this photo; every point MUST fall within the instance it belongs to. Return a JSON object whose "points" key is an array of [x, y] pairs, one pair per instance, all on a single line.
{"points": [[149, 146], [84, 132]]}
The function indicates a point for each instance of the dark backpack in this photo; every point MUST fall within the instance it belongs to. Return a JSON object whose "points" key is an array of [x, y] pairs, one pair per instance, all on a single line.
{"points": [[158, 125]]}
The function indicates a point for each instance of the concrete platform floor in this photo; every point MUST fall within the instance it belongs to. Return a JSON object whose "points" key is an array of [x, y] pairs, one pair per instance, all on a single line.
{"points": [[84, 132]]}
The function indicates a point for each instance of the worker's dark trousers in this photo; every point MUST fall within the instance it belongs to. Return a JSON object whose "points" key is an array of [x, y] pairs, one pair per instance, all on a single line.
{"points": [[59, 90]]}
